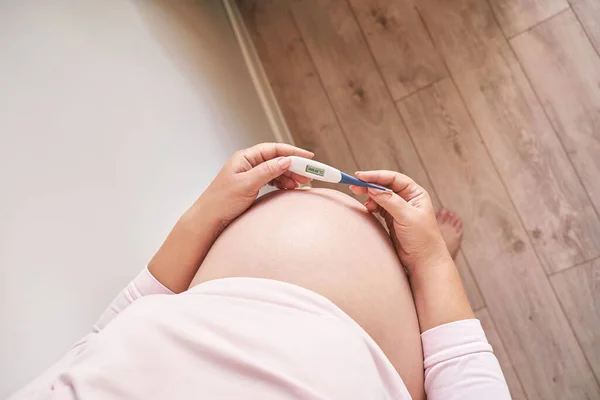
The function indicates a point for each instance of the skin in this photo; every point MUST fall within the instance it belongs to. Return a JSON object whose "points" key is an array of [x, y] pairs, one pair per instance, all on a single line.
{"points": [[231, 193], [327, 242], [362, 270], [438, 292]]}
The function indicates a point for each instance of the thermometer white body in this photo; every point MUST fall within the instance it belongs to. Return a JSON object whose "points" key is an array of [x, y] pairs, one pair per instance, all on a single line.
{"points": [[315, 170], [323, 172]]}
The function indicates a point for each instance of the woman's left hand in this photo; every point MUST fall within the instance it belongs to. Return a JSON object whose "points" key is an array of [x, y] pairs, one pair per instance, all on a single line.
{"points": [[231, 193], [236, 186]]}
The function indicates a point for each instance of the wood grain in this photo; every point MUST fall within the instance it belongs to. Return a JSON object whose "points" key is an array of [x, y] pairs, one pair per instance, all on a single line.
{"points": [[296, 86], [516, 390], [564, 70], [301, 98], [528, 317], [400, 44], [578, 290], [364, 107], [533, 165], [588, 12], [473, 293], [516, 16]]}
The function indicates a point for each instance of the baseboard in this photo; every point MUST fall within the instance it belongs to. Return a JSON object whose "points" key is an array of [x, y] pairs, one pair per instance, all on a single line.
{"points": [[257, 74]]}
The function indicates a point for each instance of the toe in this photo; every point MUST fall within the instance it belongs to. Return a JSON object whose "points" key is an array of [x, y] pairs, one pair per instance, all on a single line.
{"points": [[442, 215], [448, 217]]}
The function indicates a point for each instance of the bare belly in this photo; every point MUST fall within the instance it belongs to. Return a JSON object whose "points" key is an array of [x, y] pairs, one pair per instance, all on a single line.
{"points": [[325, 241]]}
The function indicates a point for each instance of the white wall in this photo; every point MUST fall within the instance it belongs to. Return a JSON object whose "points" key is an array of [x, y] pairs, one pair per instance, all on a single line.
{"points": [[114, 115]]}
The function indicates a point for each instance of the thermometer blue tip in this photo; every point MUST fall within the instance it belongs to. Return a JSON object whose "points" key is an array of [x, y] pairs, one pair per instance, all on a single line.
{"points": [[350, 180]]}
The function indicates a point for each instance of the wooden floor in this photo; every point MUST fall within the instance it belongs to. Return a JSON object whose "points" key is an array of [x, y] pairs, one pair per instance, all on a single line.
{"points": [[494, 107]]}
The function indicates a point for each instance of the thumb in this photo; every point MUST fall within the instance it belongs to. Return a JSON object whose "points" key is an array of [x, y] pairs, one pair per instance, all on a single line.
{"points": [[265, 172], [395, 205]]}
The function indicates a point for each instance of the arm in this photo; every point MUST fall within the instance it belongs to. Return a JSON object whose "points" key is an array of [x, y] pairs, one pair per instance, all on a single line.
{"points": [[144, 284], [173, 267], [459, 362], [439, 294], [230, 194], [437, 289], [178, 259]]}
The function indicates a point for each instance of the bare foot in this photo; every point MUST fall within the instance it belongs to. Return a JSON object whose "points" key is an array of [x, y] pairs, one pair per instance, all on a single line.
{"points": [[451, 227]]}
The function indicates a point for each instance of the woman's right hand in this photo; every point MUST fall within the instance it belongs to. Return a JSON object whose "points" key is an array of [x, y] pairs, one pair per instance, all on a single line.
{"points": [[409, 215]]}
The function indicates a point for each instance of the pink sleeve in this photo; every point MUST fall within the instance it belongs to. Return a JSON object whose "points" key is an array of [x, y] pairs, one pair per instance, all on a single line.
{"points": [[460, 363], [144, 284]]}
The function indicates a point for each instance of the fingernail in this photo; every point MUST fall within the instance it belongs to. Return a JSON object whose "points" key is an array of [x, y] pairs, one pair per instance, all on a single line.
{"points": [[358, 173], [382, 195], [284, 162]]}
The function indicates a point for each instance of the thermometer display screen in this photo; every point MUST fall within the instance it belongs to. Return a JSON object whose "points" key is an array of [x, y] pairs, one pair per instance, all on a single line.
{"points": [[314, 170]]}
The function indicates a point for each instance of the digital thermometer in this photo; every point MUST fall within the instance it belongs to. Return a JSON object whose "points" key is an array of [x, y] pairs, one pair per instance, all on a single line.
{"points": [[323, 172]]}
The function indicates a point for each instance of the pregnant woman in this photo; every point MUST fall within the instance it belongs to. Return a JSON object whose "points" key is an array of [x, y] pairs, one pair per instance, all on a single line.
{"points": [[299, 295]]}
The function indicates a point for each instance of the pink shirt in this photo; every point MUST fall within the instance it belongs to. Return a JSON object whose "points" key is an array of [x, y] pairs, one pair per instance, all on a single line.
{"points": [[239, 338]]}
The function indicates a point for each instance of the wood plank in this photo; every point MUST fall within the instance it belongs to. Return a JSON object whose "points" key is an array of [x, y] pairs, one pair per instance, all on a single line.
{"points": [[516, 16], [540, 178], [364, 107], [375, 131], [296, 85], [473, 293], [578, 290], [538, 338], [516, 390], [373, 127], [564, 70], [400, 44], [588, 12]]}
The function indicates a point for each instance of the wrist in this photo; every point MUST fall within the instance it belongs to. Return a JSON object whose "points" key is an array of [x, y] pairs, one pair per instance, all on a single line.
{"points": [[204, 216], [434, 258], [178, 259], [432, 268], [439, 295]]}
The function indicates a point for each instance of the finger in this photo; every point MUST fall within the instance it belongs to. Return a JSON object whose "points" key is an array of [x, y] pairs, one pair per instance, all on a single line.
{"points": [[287, 182], [387, 218], [395, 205], [278, 185], [399, 183], [267, 151], [298, 178], [374, 206], [371, 206], [389, 222], [265, 172], [358, 189]]}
